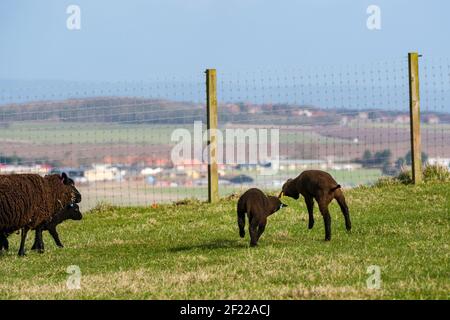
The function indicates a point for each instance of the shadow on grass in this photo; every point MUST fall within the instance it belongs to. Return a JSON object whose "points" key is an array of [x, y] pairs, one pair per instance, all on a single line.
{"points": [[215, 244]]}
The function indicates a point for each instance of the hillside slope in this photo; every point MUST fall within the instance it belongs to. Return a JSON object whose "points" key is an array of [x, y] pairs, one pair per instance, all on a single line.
{"points": [[193, 251]]}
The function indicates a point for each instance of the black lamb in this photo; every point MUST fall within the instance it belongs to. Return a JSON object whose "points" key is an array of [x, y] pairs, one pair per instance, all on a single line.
{"points": [[72, 212]]}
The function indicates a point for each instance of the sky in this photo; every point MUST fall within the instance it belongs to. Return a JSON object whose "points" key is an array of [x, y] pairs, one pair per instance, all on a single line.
{"points": [[132, 40]]}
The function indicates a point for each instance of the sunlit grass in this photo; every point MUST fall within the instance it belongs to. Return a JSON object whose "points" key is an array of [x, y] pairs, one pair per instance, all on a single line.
{"points": [[193, 251]]}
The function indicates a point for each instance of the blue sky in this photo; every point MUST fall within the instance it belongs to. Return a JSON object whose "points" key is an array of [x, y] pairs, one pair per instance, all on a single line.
{"points": [[132, 40]]}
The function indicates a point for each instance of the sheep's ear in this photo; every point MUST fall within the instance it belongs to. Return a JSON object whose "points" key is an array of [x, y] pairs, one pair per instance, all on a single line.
{"points": [[64, 178]]}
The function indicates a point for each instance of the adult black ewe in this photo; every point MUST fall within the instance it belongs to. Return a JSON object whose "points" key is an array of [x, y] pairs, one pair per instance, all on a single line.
{"points": [[319, 185], [28, 200], [258, 207]]}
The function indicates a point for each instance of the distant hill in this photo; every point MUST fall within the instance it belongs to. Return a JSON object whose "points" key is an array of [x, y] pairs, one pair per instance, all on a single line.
{"points": [[133, 110]]}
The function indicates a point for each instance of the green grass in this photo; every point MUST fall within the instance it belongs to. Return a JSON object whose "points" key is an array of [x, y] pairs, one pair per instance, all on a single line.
{"points": [[309, 137], [89, 133], [430, 173], [193, 251], [113, 133]]}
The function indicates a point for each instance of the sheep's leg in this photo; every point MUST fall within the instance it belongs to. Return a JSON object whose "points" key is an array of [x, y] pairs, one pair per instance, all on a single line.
{"points": [[55, 236], [36, 242], [38, 239], [253, 229], [4, 244], [343, 205], [310, 205], [241, 223], [23, 238], [323, 207], [261, 227]]}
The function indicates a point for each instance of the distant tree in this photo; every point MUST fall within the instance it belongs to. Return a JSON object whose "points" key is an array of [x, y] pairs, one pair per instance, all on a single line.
{"points": [[14, 159], [407, 160], [400, 162], [379, 159], [367, 157], [374, 115], [383, 157]]}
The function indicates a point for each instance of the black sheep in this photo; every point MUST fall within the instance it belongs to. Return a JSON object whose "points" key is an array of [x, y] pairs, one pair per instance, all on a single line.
{"points": [[4, 245], [319, 185], [258, 207], [72, 212], [28, 200]]}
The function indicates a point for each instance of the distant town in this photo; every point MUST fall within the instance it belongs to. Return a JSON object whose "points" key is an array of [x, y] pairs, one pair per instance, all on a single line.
{"points": [[119, 140]]}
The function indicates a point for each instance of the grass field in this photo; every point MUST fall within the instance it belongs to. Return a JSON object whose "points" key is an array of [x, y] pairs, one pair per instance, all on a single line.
{"points": [[113, 133], [193, 251]]}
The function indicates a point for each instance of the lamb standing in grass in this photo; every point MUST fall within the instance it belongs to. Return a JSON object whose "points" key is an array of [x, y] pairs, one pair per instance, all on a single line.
{"points": [[72, 212], [258, 207], [319, 185]]}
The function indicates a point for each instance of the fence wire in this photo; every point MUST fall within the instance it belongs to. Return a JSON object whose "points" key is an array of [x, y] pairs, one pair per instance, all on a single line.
{"points": [[352, 121], [114, 138]]}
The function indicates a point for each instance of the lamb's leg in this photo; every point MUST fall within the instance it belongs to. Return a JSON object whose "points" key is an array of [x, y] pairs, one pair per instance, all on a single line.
{"points": [[310, 205], [323, 207], [35, 243], [38, 239], [261, 227], [241, 223], [253, 229], [4, 244], [55, 236], [23, 238], [339, 196]]}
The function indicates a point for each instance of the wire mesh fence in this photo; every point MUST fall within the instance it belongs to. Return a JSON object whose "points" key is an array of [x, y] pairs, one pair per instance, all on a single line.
{"points": [[352, 121], [116, 139], [435, 105]]}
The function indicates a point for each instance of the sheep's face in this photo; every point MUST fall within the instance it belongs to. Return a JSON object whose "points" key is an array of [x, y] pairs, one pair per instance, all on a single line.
{"points": [[289, 190], [73, 212], [275, 204], [70, 185]]}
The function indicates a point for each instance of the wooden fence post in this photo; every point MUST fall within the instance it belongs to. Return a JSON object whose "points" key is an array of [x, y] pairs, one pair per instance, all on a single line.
{"points": [[414, 110], [211, 111]]}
